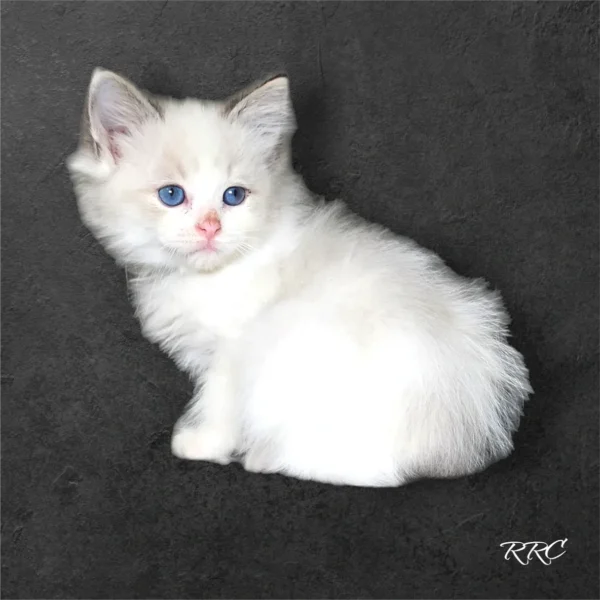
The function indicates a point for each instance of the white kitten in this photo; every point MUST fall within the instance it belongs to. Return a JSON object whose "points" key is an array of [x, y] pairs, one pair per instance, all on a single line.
{"points": [[322, 346]]}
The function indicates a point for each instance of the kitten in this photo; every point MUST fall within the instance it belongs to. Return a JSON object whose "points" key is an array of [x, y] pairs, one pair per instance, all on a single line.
{"points": [[322, 347]]}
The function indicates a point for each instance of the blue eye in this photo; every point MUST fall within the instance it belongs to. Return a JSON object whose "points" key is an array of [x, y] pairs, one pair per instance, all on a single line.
{"points": [[171, 195], [234, 195]]}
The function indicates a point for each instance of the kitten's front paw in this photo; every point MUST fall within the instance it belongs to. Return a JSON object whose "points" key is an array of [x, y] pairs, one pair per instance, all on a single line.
{"points": [[257, 461], [202, 443]]}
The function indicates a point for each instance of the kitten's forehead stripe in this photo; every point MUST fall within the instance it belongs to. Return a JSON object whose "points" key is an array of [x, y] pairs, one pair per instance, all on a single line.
{"points": [[180, 168]]}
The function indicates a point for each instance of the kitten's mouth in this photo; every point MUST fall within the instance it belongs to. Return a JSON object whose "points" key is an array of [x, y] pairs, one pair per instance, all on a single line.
{"points": [[204, 248]]}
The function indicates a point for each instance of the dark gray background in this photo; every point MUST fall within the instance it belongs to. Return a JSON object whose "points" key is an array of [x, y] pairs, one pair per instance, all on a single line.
{"points": [[472, 128]]}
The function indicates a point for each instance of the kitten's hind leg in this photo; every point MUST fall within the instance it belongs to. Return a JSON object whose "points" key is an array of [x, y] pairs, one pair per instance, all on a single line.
{"points": [[209, 429]]}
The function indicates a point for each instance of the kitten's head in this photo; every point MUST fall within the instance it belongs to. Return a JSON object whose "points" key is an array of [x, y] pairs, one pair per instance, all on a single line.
{"points": [[171, 183]]}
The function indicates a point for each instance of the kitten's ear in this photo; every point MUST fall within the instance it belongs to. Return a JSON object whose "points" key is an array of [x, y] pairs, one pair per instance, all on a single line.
{"points": [[114, 108], [266, 109]]}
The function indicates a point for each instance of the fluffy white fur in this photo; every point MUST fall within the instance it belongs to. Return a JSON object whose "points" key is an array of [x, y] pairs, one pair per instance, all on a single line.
{"points": [[322, 346]]}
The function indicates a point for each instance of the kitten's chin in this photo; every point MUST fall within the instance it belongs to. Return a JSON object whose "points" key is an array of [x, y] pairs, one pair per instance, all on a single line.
{"points": [[208, 259]]}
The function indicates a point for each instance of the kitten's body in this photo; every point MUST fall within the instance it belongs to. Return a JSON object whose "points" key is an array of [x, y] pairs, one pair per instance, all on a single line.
{"points": [[322, 346]]}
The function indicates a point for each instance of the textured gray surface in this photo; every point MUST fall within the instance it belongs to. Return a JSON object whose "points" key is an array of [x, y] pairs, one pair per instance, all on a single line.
{"points": [[470, 127]]}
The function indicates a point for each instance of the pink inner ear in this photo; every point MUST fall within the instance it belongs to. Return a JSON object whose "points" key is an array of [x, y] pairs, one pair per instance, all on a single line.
{"points": [[113, 135]]}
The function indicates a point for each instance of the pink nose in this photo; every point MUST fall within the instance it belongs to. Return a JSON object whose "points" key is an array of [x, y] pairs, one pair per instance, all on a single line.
{"points": [[209, 227]]}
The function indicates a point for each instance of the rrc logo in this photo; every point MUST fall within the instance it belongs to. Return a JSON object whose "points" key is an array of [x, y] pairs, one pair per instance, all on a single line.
{"points": [[525, 552]]}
